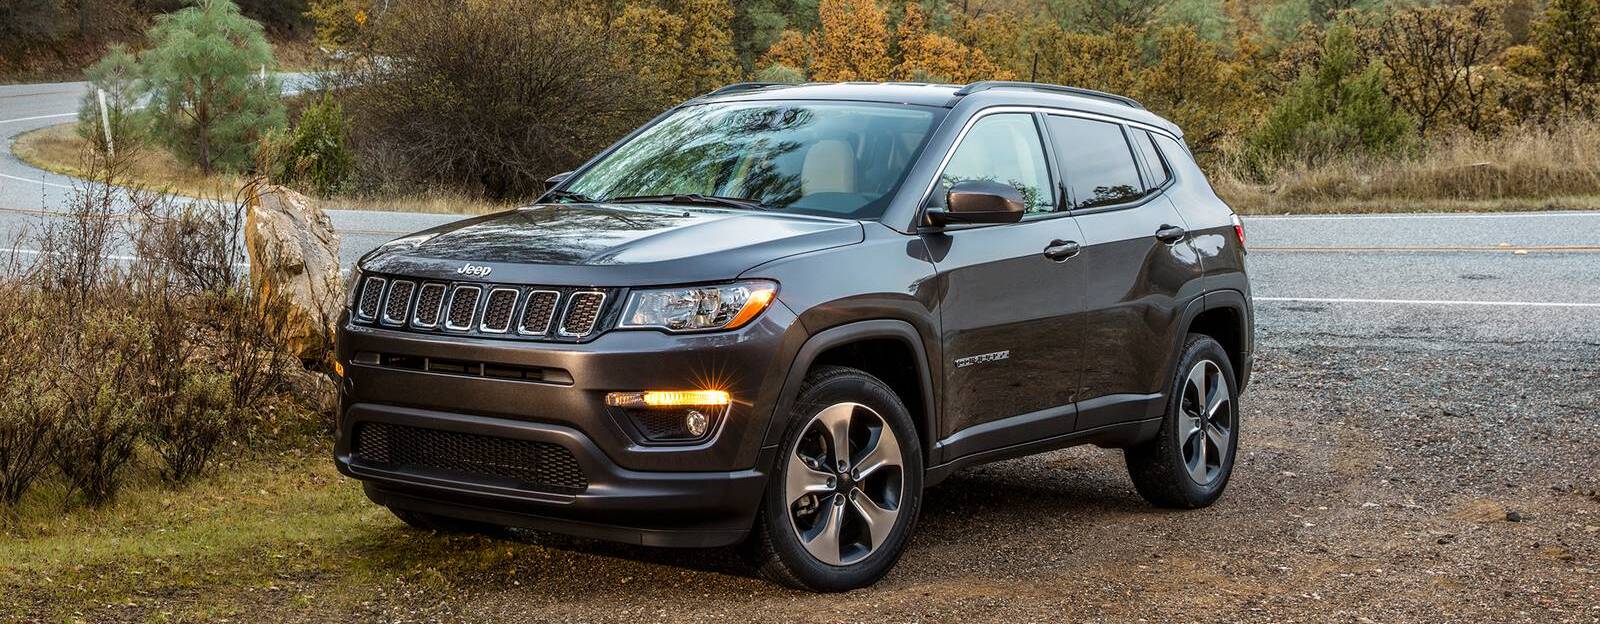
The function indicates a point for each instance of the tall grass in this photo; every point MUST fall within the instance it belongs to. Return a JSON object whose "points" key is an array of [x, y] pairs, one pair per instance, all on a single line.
{"points": [[1522, 168]]}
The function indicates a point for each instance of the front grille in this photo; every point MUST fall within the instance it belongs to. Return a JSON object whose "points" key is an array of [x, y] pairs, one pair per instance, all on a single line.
{"points": [[371, 298], [543, 313], [429, 303], [532, 465], [540, 312], [463, 306], [394, 311], [497, 314], [583, 309]]}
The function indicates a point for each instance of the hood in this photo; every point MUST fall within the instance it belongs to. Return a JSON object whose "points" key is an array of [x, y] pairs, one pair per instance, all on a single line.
{"points": [[609, 244]]}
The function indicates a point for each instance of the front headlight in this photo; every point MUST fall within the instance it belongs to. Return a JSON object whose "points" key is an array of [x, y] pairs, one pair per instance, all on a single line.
{"points": [[698, 308], [352, 285]]}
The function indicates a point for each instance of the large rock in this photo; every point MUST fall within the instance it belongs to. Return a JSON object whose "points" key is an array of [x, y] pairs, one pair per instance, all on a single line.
{"points": [[294, 258]]}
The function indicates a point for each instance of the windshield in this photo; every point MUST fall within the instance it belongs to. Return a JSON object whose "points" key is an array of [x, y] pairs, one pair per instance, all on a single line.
{"points": [[833, 159]]}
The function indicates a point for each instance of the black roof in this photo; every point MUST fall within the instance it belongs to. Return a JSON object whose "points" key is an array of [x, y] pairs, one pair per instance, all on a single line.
{"points": [[948, 95]]}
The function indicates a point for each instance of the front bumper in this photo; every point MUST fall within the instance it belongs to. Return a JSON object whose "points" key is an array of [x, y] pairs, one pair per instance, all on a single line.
{"points": [[704, 494]]}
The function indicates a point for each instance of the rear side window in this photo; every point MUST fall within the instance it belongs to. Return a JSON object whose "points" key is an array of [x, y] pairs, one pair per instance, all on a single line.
{"points": [[1096, 161], [1159, 174]]}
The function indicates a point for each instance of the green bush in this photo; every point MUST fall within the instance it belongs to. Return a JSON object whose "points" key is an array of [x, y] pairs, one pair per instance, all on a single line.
{"points": [[315, 156], [1336, 107]]}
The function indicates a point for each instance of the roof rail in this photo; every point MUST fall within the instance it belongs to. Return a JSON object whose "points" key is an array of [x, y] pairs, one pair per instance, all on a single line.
{"points": [[986, 85], [746, 86]]}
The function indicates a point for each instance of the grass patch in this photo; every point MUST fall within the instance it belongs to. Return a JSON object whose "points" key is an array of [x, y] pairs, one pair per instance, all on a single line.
{"points": [[1529, 168], [286, 531], [59, 149]]}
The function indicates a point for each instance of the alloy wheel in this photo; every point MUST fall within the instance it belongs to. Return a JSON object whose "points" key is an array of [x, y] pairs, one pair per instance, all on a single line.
{"points": [[844, 481], [1205, 422]]}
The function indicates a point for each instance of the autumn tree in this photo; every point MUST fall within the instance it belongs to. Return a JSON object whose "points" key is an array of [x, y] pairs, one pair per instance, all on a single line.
{"points": [[1436, 59], [931, 57], [1196, 86], [646, 27], [1103, 15], [1568, 38], [853, 43], [1106, 62], [708, 56], [793, 52]]}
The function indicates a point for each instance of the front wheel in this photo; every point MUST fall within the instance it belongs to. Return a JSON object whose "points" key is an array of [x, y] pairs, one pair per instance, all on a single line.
{"points": [[1188, 463], [841, 504]]}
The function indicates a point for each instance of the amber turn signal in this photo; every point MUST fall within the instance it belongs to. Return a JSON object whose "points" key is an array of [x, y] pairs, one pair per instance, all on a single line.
{"points": [[667, 398]]}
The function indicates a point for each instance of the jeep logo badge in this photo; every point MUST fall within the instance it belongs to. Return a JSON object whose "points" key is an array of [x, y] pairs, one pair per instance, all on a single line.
{"points": [[475, 270]]}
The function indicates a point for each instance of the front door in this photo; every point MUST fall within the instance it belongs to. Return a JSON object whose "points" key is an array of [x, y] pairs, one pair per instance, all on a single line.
{"points": [[1009, 311]]}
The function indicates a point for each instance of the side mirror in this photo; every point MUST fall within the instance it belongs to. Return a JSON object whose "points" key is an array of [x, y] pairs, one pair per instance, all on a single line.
{"points": [[552, 181], [979, 201]]}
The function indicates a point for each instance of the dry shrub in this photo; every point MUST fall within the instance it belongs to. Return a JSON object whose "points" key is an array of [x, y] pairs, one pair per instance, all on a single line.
{"points": [[1523, 167], [28, 413], [489, 97], [105, 355]]}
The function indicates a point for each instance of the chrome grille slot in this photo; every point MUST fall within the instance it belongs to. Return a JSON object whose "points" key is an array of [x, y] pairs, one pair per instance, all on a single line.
{"points": [[429, 303], [463, 307], [399, 302], [498, 311], [371, 298], [583, 311], [539, 312]]}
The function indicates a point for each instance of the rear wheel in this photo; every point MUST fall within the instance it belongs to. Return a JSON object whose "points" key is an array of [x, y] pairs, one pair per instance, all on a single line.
{"points": [[841, 505], [1188, 463]]}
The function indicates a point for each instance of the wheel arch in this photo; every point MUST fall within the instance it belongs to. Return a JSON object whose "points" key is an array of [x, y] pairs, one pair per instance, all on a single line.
{"points": [[1225, 316], [879, 348]]}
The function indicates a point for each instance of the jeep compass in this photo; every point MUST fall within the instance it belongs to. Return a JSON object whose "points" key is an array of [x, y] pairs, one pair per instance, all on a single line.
{"points": [[776, 314]]}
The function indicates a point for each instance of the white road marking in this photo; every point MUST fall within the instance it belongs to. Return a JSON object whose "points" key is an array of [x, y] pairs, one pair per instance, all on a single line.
{"points": [[6, 121], [1474, 215], [21, 179], [1439, 302]]}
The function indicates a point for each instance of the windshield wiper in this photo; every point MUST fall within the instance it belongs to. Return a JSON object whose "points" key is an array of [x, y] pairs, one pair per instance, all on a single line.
{"points": [[692, 198], [579, 198]]}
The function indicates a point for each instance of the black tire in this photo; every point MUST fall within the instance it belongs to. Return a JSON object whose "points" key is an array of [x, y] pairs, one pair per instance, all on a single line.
{"points": [[1161, 468], [775, 543], [424, 521]]}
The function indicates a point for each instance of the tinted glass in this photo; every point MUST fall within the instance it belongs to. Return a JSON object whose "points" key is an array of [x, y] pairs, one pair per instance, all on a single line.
{"points": [[1096, 162], [1152, 159], [818, 158], [1003, 148]]}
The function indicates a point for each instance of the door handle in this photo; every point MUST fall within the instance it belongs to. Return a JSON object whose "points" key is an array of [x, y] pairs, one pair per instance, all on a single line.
{"points": [[1170, 234], [1060, 250]]}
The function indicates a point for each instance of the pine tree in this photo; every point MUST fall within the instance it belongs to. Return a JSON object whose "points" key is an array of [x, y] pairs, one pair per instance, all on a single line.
{"points": [[853, 43], [118, 76], [209, 103], [1568, 39]]}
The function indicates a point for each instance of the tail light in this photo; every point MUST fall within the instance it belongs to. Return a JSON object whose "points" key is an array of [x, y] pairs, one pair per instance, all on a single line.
{"points": [[1238, 230]]}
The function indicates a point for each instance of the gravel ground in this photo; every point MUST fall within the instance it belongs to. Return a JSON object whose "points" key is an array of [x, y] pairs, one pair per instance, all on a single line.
{"points": [[1390, 481]]}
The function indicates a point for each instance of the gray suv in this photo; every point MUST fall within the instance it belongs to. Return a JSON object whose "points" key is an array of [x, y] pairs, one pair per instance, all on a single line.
{"points": [[776, 314]]}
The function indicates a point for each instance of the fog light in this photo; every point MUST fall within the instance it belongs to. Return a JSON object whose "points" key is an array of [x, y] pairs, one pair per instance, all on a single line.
{"points": [[697, 423]]}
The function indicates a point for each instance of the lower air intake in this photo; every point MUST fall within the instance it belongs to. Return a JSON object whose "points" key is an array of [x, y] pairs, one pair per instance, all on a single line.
{"points": [[532, 465]]}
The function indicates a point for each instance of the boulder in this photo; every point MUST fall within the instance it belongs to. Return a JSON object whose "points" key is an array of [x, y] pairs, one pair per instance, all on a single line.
{"points": [[294, 261]]}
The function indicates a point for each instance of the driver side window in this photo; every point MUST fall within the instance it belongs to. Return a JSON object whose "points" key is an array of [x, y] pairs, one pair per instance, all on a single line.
{"points": [[1003, 148]]}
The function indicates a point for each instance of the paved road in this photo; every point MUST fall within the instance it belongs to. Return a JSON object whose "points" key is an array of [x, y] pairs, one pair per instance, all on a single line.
{"points": [[1458, 277]]}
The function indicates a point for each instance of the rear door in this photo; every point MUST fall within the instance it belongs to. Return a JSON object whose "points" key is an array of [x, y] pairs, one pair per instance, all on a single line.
{"points": [[1011, 314], [1140, 268]]}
